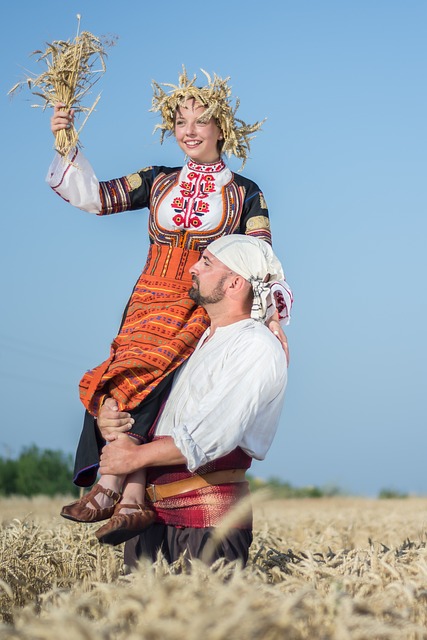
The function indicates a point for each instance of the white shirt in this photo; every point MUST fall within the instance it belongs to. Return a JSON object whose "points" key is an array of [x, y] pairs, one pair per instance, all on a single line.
{"points": [[228, 394]]}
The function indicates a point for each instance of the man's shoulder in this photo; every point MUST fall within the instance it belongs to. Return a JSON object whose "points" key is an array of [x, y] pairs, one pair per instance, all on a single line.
{"points": [[255, 336]]}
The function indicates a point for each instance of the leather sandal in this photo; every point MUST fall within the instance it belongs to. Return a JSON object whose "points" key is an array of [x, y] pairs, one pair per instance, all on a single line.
{"points": [[124, 526], [80, 512]]}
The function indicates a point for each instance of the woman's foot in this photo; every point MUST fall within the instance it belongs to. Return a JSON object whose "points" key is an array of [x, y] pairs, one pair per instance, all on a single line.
{"points": [[97, 505], [127, 521]]}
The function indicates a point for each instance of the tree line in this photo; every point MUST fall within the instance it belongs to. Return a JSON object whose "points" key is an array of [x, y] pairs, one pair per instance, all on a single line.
{"points": [[37, 472], [47, 472]]}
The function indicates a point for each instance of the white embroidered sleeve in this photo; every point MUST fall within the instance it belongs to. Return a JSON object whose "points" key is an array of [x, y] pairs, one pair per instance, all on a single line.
{"points": [[75, 181], [281, 300]]}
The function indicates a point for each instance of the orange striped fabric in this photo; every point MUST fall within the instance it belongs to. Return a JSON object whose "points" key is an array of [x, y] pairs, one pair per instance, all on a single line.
{"points": [[160, 330]]}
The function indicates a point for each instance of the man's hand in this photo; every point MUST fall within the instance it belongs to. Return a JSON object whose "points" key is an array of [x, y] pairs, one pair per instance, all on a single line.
{"points": [[119, 457], [123, 455], [111, 422]]}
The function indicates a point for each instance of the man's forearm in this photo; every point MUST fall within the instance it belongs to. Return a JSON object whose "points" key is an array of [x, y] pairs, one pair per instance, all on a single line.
{"points": [[161, 452], [122, 456]]}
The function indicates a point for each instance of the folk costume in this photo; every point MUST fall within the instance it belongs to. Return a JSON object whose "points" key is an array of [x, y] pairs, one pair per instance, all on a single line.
{"points": [[223, 411], [189, 207]]}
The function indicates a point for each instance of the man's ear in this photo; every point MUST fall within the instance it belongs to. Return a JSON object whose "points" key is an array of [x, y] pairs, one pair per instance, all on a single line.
{"points": [[237, 283]]}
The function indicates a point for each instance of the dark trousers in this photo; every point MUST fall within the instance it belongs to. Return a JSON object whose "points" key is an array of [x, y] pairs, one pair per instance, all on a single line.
{"points": [[194, 543]]}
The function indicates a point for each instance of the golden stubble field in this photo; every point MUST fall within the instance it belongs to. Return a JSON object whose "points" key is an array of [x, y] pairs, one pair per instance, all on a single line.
{"points": [[330, 568]]}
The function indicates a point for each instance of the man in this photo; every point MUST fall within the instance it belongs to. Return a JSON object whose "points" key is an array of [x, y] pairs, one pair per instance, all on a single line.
{"points": [[222, 411]]}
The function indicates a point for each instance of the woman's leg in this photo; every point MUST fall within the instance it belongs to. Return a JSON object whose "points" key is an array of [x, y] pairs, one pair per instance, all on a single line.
{"points": [[131, 515], [134, 489]]}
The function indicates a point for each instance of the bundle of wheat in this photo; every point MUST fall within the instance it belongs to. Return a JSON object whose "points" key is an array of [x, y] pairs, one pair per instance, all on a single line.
{"points": [[73, 67]]}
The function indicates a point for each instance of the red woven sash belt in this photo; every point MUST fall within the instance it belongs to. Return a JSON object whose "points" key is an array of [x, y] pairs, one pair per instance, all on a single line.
{"points": [[156, 492]]}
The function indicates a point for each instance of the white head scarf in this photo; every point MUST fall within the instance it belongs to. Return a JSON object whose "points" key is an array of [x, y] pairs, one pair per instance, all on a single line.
{"points": [[254, 260]]}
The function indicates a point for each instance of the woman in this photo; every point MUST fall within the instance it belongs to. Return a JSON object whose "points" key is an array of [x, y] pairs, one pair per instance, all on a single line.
{"points": [[189, 207]]}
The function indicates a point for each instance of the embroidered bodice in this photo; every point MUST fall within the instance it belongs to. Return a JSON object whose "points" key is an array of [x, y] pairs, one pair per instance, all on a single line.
{"points": [[195, 200]]}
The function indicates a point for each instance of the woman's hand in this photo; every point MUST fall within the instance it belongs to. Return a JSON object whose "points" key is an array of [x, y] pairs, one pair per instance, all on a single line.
{"points": [[274, 325], [61, 119]]}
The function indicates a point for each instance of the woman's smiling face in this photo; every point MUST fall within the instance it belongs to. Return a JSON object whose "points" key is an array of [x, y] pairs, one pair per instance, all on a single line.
{"points": [[198, 139]]}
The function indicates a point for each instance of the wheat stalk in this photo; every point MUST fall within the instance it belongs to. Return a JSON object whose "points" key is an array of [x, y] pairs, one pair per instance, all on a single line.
{"points": [[73, 67]]}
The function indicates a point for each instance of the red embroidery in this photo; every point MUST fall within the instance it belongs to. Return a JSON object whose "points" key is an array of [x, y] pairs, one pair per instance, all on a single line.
{"points": [[202, 207], [280, 301], [178, 203], [194, 190], [178, 219]]}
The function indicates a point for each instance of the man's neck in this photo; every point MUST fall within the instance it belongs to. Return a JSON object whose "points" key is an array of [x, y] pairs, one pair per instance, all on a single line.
{"points": [[223, 319]]}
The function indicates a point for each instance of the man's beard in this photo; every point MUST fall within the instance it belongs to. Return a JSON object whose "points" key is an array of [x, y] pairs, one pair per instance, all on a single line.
{"points": [[215, 296]]}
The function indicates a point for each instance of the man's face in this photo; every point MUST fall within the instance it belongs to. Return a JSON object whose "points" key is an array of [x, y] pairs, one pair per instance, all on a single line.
{"points": [[209, 276]]}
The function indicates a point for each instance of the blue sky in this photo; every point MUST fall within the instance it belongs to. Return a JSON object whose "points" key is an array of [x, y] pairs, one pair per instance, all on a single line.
{"points": [[342, 161]]}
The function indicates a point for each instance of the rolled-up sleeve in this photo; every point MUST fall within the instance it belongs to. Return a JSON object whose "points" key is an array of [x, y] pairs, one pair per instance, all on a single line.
{"points": [[192, 452]]}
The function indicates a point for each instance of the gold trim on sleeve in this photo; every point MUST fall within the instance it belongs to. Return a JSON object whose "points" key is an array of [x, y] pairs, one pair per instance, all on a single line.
{"points": [[262, 202], [258, 222], [134, 180]]}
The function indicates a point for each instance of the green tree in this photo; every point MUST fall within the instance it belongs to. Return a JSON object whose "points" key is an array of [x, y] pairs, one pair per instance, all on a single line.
{"points": [[44, 472], [280, 489], [8, 475], [389, 494]]}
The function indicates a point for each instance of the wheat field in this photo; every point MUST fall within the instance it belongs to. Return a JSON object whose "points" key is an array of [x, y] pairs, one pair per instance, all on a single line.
{"points": [[323, 569]]}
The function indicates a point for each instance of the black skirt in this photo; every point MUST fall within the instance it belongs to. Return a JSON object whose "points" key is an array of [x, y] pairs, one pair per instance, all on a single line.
{"points": [[91, 442]]}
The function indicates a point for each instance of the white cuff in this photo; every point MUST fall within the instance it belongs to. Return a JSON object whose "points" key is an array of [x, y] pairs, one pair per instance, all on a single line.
{"points": [[189, 448], [74, 180]]}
